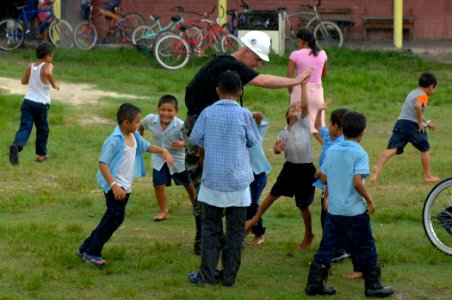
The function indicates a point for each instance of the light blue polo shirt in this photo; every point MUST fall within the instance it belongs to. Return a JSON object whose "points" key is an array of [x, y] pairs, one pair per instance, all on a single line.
{"points": [[164, 139], [345, 160]]}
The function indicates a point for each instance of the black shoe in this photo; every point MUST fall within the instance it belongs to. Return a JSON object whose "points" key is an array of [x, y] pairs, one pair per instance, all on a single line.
{"points": [[14, 154]]}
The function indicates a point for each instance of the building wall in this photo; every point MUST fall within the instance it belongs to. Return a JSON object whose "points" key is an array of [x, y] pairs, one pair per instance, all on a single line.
{"points": [[432, 18]]}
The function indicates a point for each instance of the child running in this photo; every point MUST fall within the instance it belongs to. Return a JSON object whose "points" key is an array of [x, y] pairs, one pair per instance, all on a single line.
{"points": [[298, 172], [166, 133], [121, 160], [412, 127], [349, 206], [223, 132], [36, 104]]}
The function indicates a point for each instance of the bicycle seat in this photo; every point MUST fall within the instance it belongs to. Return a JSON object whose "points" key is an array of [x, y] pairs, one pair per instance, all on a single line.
{"points": [[185, 27], [176, 19], [154, 18]]}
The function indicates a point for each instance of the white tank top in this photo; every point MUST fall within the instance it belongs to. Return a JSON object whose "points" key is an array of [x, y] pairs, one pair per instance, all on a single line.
{"points": [[37, 91]]}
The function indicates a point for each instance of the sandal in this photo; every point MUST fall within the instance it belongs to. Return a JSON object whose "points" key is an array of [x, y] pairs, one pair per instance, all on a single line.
{"points": [[96, 261]]}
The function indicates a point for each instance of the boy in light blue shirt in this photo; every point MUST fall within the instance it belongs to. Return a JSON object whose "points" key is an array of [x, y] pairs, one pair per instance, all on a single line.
{"points": [[223, 132], [349, 206]]}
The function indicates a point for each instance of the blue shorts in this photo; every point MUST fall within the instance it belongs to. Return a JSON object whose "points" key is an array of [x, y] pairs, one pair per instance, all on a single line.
{"points": [[296, 180], [408, 131], [110, 5], [163, 177]]}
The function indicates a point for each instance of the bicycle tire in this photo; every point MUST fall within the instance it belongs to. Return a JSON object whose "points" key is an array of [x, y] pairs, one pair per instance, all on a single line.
{"points": [[143, 38], [12, 34], [328, 34], [131, 21], [437, 216], [172, 52], [193, 33], [85, 36], [60, 33], [230, 44]]}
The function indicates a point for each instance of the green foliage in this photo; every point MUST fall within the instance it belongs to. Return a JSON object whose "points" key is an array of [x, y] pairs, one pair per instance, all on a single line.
{"points": [[49, 209]]}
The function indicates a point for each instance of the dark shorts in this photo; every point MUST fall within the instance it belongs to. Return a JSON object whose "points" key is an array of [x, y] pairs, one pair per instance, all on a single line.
{"points": [[110, 5], [163, 177], [408, 131], [296, 180]]}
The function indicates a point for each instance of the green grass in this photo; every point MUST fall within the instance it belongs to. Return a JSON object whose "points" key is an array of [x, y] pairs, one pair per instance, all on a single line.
{"points": [[48, 209]]}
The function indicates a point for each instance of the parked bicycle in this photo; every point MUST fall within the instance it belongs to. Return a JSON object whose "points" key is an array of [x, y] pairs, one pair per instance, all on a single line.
{"points": [[173, 51], [145, 36], [437, 216], [327, 33], [232, 26], [13, 32], [86, 34]]}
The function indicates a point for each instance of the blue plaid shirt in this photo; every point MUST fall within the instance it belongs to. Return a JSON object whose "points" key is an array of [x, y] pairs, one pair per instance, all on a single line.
{"points": [[225, 130]]}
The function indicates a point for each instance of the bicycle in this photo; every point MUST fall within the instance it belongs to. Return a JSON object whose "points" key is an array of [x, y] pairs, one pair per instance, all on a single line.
{"points": [[232, 26], [173, 52], [145, 36], [437, 216], [85, 33], [13, 32], [327, 33]]}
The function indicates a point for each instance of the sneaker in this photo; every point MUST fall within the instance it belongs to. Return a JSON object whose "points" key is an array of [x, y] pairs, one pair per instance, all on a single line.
{"points": [[14, 154], [340, 256], [194, 277]]}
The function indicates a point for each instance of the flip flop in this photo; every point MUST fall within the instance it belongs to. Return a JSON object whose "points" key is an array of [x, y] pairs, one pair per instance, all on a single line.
{"points": [[41, 160], [96, 261]]}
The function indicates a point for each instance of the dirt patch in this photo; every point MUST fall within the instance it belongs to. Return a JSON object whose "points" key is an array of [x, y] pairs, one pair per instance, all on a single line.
{"points": [[69, 93]]}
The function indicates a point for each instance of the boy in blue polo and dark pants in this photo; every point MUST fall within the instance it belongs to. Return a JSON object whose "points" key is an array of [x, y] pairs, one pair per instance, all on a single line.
{"points": [[223, 132], [347, 221]]}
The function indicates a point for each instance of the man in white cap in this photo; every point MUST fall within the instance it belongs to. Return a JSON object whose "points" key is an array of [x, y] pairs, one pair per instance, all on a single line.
{"points": [[201, 92]]}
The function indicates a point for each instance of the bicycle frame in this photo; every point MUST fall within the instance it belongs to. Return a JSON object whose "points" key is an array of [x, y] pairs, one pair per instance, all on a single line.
{"points": [[42, 26], [205, 43]]}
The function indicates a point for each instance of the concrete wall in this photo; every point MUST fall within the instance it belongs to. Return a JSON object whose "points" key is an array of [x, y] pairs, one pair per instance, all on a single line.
{"points": [[432, 18]]}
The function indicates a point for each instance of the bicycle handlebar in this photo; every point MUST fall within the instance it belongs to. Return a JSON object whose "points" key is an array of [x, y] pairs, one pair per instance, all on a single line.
{"points": [[178, 8]]}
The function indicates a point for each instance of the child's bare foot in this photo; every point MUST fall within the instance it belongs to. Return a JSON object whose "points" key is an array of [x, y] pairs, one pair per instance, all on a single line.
{"points": [[258, 239], [431, 178], [353, 275], [374, 174], [306, 243], [162, 216]]}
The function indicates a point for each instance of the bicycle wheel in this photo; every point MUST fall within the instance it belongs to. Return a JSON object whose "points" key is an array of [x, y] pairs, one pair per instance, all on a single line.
{"points": [[437, 216], [328, 34], [193, 33], [172, 52], [230, 43], [11, 34], [131, 22], [85, 36], [143, 38], [60, 33]]}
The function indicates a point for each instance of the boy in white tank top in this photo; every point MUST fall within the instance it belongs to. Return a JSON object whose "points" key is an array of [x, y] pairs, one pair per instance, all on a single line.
{"points": [[36, 103]]}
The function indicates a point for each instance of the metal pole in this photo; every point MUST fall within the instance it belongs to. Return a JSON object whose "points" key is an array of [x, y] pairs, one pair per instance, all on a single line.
{"points": [[398, 23], [222, 7]]}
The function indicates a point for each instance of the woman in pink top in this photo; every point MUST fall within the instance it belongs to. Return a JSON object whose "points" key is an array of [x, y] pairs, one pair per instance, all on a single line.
{"points": [[308, 56]]}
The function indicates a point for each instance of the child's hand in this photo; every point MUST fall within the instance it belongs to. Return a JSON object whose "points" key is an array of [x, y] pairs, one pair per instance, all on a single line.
{"points": [[431, 126], [168, 158], [371, 208], [304, 76], [279, 146], [57, 86], [118, 192], [325, 204], [258, 117], [249, 225], [178, 145], [325, 104]]}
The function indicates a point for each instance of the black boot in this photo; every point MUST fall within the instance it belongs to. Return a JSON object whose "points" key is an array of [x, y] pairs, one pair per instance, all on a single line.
{"points": [[373, 286], [317, 275], [197, 244]]}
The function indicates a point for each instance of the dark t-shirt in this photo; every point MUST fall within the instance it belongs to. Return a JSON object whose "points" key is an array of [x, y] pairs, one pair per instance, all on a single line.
{"points": [[201, 91]]}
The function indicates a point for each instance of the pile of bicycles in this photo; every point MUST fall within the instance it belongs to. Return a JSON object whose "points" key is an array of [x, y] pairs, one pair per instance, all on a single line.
{"points": [[14, 32]]}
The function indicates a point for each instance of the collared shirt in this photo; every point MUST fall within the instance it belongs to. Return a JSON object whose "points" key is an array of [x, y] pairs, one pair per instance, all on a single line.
{"points": [[327, 143], [225, 199], [225, 130], [258, 160], [297, 141], [164, 139], [343, 161], [112, 151]]}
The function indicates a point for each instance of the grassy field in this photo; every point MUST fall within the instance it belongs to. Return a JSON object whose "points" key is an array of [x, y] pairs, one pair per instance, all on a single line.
{"points": [[48, 209]]}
